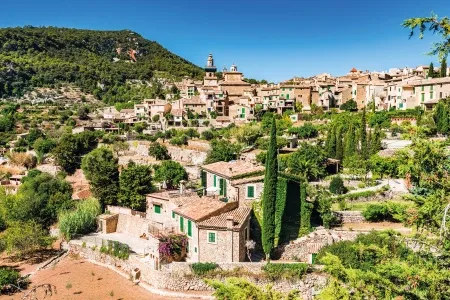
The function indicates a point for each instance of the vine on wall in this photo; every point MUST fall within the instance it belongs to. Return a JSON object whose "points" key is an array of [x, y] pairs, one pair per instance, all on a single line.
{"points": [[305, 212]]}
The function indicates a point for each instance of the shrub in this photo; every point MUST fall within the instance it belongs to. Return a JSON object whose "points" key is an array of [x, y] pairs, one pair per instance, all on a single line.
{"points": [[287, 271], [23, 238], [337, 186], [179, 140], [115, 248], [387, 211], [11, 277], [201, 269], [172, 247], [208, 135], [81, 220], [158, 151]]}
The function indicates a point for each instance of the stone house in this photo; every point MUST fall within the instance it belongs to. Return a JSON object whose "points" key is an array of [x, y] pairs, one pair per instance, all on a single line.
{"points": [[216, 230], [234, 181]]}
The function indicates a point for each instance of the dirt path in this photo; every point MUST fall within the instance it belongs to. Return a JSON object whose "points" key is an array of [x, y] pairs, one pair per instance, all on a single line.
{"points": [[80, 279]]}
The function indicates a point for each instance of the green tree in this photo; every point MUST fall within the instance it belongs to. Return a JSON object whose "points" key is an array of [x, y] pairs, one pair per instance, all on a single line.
{"points": [[364, 146], [350, 105], [339, 144], [170, 172], [40, 197], [436, 25], [308, 162], [270, 193], [337, 185], [443, 72], [222, 150], [23, 238], [67, 153], [330, 144], [350, 142], [158, 151], [431, 71], [101, 169], [135, 183]]}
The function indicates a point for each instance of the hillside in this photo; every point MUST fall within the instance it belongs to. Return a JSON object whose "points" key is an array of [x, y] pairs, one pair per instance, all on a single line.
{"points": [[99, 62]]}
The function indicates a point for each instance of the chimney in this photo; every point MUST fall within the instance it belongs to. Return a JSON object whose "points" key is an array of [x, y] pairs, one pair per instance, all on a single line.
{"points": [[182, 186], [230, 222]]}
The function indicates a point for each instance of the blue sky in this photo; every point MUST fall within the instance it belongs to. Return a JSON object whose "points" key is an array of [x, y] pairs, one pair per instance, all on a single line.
{"points": [[273, 40]]}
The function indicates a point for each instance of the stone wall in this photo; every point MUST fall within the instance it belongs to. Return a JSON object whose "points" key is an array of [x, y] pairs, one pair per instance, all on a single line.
{"points": [[302, 248], [187, 156], [179, 276], [349, 216]]}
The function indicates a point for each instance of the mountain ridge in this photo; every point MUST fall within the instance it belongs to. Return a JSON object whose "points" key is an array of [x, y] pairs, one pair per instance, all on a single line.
{"points": [[98, 61]]}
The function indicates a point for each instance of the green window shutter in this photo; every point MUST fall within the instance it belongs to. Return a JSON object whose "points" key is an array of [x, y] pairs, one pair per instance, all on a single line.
{"points": [[181, 224], [203, 179], [195, 249], [157, 209], [215, 179], [211, 237], [189, 228], [423, 88], [431, 87], [221, 181], [423, 97], [431, 95], [250, 191], [173, 215], [287, 96]]}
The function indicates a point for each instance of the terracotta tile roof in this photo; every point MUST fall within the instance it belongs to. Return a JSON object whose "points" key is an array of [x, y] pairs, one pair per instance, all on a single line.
{"points": [[239, 215], [177, 112], [248, 180], [232, 168], [203, 207], [194, 100], [127, 110]]}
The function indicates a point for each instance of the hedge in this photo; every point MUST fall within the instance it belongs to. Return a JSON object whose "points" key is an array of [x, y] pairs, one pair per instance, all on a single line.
{"points": [[288, 271], [201, 269]]}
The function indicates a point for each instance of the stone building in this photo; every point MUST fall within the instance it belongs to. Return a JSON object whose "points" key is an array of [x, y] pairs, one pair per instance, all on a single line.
{"points": [[216, 229], [237, 180]]}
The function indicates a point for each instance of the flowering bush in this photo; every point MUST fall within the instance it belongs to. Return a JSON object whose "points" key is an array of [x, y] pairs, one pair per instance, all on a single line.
{"points": [[172, 247]]}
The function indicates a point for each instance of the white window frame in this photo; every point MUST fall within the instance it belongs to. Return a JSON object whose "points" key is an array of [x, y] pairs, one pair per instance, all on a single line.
{"points": [[207, 237], [254, 191]]}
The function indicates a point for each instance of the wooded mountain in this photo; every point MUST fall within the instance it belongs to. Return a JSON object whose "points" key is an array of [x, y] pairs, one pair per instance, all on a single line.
{"points": [[99, 62]]}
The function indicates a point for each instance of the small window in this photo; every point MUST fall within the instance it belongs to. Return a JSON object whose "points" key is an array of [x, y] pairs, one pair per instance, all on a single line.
{"points": [[189, 233], [195, 249], [157, 208], [250, 191], [211, 237], [173, 215]]}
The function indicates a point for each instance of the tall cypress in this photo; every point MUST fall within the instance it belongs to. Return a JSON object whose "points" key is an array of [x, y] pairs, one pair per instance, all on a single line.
{"points": [[339, 145], [375, 144], [431, 70], [350, 145], [331, 145], [445, 124], [270, 193], [364, 153], [444, 67]]}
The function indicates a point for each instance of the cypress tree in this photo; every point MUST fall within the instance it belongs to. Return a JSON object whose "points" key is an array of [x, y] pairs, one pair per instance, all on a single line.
{"points": [[369, 143], [444, 67], [445, 125], [364, 153], [438, 116], [270, 193], [375, 144], [431, 70], [350, 145], [339, 145], [331, 145]]}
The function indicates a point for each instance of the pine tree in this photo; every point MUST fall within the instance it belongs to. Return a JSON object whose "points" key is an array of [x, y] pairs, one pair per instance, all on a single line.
{"points": [[431, 70], [369, 143], [444, 67], [339, 144], [363, 149], [270, 193], [331, 145]]}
